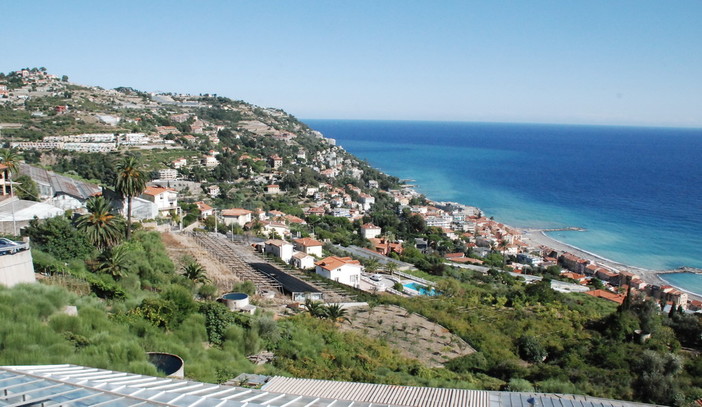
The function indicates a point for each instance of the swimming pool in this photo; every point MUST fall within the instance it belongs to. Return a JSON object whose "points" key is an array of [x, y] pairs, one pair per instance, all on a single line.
{"points": [[422, 290]]}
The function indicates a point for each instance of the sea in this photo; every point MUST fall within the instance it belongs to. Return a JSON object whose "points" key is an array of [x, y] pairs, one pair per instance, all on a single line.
{"points": [[637, 191]]}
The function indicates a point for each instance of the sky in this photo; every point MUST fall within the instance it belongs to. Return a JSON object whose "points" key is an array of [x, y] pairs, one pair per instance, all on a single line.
{"points": [[634, 62]]}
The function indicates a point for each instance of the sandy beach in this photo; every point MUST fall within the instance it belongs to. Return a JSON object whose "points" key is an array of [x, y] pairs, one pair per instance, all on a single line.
{"points": [[538, 238]]}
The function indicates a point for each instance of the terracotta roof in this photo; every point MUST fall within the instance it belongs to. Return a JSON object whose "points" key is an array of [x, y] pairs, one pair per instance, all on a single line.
{"points": [[235, 212], [370, 226], [618, 298], [308, 242], [332, 262], [156, 190], [454, 255], [203, 206], [276, 242]]}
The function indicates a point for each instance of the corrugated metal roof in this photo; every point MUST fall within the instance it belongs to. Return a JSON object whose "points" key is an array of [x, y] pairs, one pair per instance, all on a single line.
{"points": [[70, 385], [410, 396], [380, 393], [60, 184]]}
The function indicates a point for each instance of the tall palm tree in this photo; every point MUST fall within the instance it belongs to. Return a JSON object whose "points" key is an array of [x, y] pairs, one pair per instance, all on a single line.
{"points": [[131, 182], [102, 228]]}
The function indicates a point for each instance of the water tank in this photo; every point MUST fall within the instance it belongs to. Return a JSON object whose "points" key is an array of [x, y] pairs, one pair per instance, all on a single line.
{"points": [[167, 363], [236, 301]]}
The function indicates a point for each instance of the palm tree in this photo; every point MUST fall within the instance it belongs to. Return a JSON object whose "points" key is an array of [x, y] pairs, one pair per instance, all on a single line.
{"points": [[336, 313], [194, 272], [315, 308], [131, 182], [391, 267], [112, 262], [102, 228]]}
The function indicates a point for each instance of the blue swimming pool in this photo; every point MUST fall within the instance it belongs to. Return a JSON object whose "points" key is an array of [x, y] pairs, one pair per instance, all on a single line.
{"points": [[420, 289]]}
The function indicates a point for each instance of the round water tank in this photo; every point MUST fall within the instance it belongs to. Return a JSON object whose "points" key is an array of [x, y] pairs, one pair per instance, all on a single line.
{"points": [[236, 301], [167, 363]]}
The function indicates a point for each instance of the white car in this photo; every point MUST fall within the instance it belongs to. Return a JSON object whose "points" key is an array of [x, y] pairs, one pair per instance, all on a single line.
{"points": [[376, 277]]}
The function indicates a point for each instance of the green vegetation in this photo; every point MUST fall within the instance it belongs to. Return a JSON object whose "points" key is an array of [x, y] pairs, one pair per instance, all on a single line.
{"points": [[131, 298]]}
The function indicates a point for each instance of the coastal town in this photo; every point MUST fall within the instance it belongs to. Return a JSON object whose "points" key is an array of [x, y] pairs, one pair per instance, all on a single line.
{"points": [[476, 235], [252, 246]]}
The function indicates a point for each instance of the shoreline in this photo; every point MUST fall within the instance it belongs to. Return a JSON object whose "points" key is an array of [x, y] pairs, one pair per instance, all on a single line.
{"points": [[653, 277]]}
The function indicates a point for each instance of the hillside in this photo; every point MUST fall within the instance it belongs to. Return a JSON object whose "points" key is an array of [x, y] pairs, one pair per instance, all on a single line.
{"points": [[482, 327]]}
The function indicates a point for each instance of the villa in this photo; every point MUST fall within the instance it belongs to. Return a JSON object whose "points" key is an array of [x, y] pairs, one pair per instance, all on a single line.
{"points": [[342, 269]]}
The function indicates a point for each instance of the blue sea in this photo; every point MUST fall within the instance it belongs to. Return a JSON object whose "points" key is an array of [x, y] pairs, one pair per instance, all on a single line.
{"points": [[636, 191]]}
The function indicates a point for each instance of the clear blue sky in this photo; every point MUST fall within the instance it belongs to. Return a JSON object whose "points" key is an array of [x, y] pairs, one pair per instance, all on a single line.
{"points": [[602, 62]]}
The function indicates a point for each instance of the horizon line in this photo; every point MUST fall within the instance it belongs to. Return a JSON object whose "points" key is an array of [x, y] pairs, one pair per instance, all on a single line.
{"points": [[652, 126]]}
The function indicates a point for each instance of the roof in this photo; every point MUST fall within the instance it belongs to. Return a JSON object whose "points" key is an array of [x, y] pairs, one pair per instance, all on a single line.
{"points": [[71, 385], [60, 184], [393, 395], [618, 298], [370, 226], [203, 206], [277, 242], [333, 262], [235, 212], [308, 242], [156, 190]]}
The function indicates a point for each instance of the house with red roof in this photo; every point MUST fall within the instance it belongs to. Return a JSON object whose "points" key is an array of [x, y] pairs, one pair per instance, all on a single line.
{"points": [[205, 209], [166, 199], [342, 269], [385, 247], [237, 216], [309, 246], [610, 296]]}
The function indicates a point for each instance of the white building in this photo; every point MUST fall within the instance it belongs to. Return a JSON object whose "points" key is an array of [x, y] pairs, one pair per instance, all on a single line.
{"points": [[308, 246], [302, 261], [342, 269], [167, 174], [236, 216], [279, 248], [370, 231], [166, 199]]}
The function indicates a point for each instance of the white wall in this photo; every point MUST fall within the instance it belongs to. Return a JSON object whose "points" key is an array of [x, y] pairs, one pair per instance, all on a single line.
{"points": [[16, 268]]}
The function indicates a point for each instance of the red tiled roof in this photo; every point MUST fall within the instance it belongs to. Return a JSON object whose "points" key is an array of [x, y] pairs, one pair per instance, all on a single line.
{"points": [[618, 298], [156, 190], [308, 242], [333, 262]]}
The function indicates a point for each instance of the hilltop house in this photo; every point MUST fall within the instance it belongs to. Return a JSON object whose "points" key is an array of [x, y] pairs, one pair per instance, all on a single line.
{"points": [[308, 246], [236, 216], [342, 269], [369, 231], [205, 209], [275, 161], [279, 248], [302, 261], [166, 199]]}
